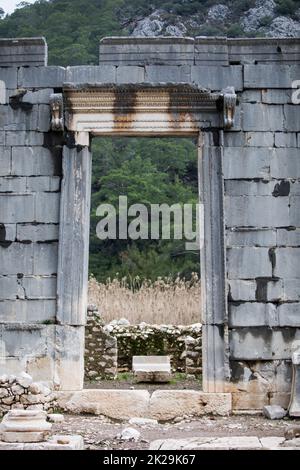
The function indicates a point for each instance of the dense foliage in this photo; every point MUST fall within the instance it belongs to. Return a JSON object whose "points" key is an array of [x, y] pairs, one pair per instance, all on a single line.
{"points": [[147, 171]]}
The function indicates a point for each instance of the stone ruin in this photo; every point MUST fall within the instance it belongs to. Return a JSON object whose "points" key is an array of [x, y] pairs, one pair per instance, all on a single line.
{"points": [[109, 348], [238, 97]]}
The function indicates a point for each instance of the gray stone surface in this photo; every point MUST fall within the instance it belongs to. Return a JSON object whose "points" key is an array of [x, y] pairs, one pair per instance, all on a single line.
{"points": [[33, 161], [274, 412], [5, 161], [23, 52], [257, 211], [248, 263], [9, 76], [218, 78], [251, 237], [262, 343], [41, 77], [287, 263], [91, 73], [252, 314], [144, 51], [270, 76], [264, 117], [159, 73]]}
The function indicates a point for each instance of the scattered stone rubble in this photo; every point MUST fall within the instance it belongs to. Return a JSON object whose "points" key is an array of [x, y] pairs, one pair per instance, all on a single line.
{"points": [[21, 392], [274, 412]]}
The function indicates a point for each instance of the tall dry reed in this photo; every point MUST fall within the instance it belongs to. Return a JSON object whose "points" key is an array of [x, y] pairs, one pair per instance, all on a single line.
{"points": [[164, 301]]}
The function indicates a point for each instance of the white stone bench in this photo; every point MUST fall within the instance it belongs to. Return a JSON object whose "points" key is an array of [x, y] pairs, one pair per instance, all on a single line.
{"points": [[151, 368]]}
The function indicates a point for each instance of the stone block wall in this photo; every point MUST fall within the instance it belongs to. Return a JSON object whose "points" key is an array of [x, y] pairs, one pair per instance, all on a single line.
{"points": [[101, 350], [261, 175]]}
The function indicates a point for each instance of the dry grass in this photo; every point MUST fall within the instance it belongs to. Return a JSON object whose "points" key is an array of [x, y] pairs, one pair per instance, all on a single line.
{"points": [[161, 302]]}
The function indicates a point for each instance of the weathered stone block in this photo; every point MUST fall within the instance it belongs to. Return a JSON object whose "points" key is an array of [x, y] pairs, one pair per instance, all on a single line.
{"points": [[16, 208], [252, 314], [39, 287], [16, 258], [217, 77], [47, 208], [213, 51], [251, 237], [263, 117], [27, 311], [270, 76], [21, 340], [91, 74], [169, 404], [271, 96], [9, 76], [251, 96], [285, 163], [295, 211], [292, 290], [8, 232], [274, 412], [289, 314], [38, 96], [24, 138], [145, 51], [8, 288], [5, 161], [9, 184], [151, 368], [283, 139], [248, 263], [34, 161], [19, 120], [259, 139], [249, 162], [291, 118], [248, 188], [41, 77], [242, 290], [262, 343], [234, 139], [172, 73], [45, 258], [287, 263], [295, 188], [43, 118], [130, 74], [257, 211], [37, 233], [23, 51], [47, 184]]}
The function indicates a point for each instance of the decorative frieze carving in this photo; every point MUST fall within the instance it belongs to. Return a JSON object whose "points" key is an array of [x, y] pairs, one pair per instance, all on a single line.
{"points": [[145, 108]]}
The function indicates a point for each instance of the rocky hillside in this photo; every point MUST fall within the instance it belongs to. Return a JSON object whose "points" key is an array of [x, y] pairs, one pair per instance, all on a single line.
{"points": [[73, 27], [230, 18]]}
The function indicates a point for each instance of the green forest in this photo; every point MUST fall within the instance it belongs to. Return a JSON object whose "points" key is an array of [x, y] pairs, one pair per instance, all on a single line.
{"points": [[146, 170]]}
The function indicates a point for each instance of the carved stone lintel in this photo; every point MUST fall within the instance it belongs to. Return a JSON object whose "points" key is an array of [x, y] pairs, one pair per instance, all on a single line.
{"points": [[57, 112], [229, 105]]}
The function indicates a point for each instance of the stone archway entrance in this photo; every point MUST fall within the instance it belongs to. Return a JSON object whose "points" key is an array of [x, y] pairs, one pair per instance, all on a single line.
{"points": [[144, 110]]}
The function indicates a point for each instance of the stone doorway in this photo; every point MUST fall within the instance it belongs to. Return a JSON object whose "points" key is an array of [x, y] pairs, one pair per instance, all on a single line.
{"points": [[146, 110]]}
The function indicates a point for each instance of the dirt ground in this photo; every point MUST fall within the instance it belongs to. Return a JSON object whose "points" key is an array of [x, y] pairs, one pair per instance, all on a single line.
{"points": [[100, 433], [178, 382]]}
